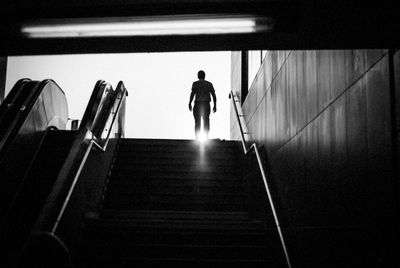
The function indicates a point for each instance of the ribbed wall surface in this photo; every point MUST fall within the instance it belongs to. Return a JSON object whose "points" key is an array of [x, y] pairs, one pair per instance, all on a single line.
{"points": [[324, 117]]}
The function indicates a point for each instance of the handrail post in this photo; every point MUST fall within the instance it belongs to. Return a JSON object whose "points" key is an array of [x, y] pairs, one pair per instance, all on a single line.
{"points": [[264, 177]]}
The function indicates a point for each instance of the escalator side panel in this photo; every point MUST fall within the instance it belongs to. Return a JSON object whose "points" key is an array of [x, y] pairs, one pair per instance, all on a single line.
{"points": [[48, 110], [38, 182]]}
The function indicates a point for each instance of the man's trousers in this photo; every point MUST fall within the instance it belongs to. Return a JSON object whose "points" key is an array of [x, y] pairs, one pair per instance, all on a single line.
{"points": [[201, 110]]}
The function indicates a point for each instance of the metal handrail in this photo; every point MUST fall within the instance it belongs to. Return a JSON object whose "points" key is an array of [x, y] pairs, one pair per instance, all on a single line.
{"points": [[25, 107], [120, 90], [81, 147], [86, 155], [264, 177]]}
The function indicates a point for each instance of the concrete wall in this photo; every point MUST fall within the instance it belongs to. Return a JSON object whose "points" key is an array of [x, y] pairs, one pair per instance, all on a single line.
{"points": [[236, 85], [325, 119]]}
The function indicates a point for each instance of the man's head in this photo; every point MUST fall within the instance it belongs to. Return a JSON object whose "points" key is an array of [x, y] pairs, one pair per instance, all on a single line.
{"points": [[201, 75]]}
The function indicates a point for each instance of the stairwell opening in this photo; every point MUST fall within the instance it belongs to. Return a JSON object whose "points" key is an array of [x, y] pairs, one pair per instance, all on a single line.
{"points": [[159, 86]]}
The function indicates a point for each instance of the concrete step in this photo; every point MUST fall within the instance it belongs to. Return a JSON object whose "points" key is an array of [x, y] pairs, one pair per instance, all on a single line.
{"points": [[218, 199], [203, 252], [212, 143], [105, 224], [200, 236], [192, 205], [176, 160], [175, 214], [175, 168], [174, 177], [180, 262], [134, 153], [146, 188]]}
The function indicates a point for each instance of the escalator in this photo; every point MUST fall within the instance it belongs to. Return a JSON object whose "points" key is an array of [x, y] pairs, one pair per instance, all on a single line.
{"points": [[31, 108], [35, 146]]}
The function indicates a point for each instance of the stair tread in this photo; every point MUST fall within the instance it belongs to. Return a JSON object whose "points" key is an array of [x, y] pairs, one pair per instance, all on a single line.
{"points": [[178, 168], [176, 214], [184, 142], [184, 155], [208, 222], [164, 260], [170, 213], [188, 176]]}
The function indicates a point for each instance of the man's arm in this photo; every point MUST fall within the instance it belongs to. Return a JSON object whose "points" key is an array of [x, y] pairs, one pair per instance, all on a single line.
{"points": [[191, 99], [214, 97]]}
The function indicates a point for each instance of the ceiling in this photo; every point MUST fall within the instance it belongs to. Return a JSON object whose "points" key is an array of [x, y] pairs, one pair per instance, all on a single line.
{"points": [[301, 24]]}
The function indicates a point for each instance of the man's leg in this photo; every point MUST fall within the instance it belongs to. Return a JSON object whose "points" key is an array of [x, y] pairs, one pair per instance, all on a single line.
{"points": [[206, 117], [197, 119]]}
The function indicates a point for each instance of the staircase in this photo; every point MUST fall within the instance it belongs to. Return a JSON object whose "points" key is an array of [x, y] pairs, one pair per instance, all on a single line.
{"points": [[177, 202]]}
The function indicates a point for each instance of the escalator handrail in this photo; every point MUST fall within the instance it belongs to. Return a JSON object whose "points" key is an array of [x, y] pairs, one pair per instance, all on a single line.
{"points": [[13, 113], [23, 111], [119, 94], [254, 148], [11, 98], [66, 181]]}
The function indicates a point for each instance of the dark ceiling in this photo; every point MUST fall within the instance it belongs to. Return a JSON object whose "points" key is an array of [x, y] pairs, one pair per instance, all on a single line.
{"points": [[301, 24]]}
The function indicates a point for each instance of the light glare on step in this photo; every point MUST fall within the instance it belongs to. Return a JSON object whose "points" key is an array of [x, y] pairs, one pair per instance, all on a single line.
{"points": [[202, 137], [147, 26]]}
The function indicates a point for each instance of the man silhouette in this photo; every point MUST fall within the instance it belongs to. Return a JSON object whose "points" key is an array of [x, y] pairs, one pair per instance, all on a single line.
{"points": [[202, 89]]}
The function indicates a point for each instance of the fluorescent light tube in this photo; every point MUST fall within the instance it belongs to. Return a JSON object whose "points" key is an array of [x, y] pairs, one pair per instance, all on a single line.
{"points": [[146, 26]]}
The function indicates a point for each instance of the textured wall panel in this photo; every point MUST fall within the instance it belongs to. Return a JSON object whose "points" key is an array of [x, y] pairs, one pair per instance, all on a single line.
{"points": [[281, 58], [292, 92], [326, 124], [267, 69], [355, 65], [261, 129], [323, 78], [378, 113], [311, 84], [339, 141], [380, 181], [260, 88], [356, 132], [337, 73], [324, 148], [301, 90], [372, 56], [312, 153], [271, 123], [282, 107], [273, 58]]}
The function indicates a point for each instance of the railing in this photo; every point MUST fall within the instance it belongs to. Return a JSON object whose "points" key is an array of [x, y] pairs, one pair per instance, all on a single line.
{"points": [[11, 101], [19, 104], [254, 148], [28, 110], [102, 111]]}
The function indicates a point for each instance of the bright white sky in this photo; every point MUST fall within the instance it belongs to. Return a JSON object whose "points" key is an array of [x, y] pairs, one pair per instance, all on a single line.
{"points": [[158, 84]]}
